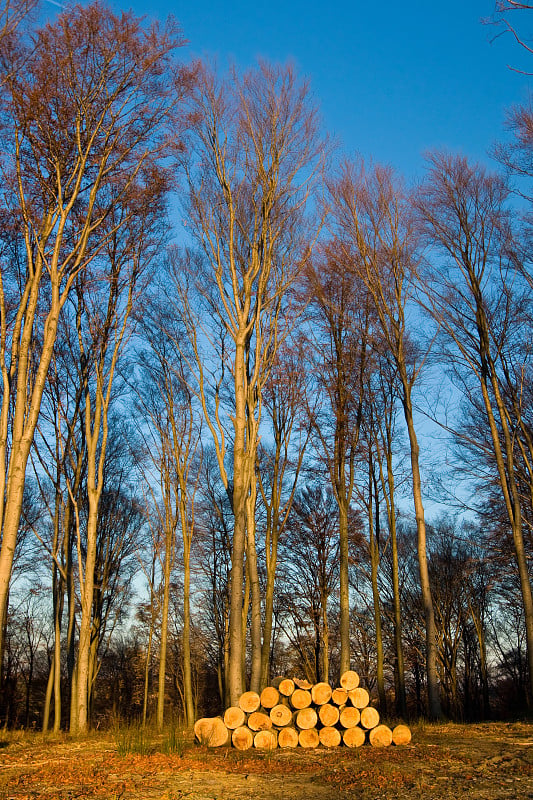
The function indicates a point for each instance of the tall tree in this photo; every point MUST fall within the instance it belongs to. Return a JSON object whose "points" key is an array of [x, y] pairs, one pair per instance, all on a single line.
{"points": [[342, 317], [474, 293], [256, 155], [174, 445], [373, 216], [83, 124]]}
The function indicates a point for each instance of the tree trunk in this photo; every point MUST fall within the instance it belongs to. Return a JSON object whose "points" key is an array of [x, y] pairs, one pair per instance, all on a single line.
{"points": [[344, 611], [187, 669], [434, 707], [48, 697], [374, 564], [255, 590], [239, 495], [86, 597], [163, 645]]}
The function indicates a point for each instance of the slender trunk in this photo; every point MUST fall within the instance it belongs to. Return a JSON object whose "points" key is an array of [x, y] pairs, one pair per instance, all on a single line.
{"points": [[401, 699], [71, 638], [187, 670], [240, 492], [374, 564], [57, 663], [164, 630], [255, 592], [225, 694], [48, 697], [325, 640], [434, 708], [25, 415], [511, 494], [147, 671], [93, 663], [86, 597], [245, 612], [344, 611], [271, 564]]}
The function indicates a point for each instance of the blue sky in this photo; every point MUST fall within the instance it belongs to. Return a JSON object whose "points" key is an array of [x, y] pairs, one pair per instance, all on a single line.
{"points": [[392, 79]]}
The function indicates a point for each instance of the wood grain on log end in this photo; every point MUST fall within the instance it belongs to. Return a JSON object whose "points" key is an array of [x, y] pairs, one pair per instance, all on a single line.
{"points": [[234, 717], [249, 702], [286, 687], [269, 697], [281, 715], [329, 737], [349, 680], [288, 737], [369, 717], [381, 736], [353, 737], [309, 738], [349, 717], [339, 696], [211, 731], [321, 693], [259, 721], [359, 697], [306, 718], [242, 738], [401, 734], [302, 683], [300, 698], [266, 740], [328, 714]]}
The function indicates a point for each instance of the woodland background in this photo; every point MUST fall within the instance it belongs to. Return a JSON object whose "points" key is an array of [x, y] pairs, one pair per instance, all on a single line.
{"points": [[291, 437]]}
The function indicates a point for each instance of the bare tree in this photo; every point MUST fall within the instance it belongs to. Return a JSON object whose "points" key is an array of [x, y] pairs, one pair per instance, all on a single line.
{"points": [[83, 123], [464, 215], [375, 223], [342, 316], [256, 155], [174, 444]]}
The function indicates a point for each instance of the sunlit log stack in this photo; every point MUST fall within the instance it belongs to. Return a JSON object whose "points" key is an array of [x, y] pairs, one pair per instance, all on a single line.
{"points": [[296, 713]]}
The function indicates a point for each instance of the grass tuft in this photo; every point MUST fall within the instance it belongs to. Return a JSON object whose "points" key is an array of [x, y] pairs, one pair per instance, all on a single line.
{"points": [[132, 740]]}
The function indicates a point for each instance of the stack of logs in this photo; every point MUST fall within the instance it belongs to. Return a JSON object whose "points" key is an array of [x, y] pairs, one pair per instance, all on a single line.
{"points": [[293, 713]]}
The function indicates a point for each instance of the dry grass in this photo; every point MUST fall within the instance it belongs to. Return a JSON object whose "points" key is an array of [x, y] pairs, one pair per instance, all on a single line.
{"points": [[486, 762]]}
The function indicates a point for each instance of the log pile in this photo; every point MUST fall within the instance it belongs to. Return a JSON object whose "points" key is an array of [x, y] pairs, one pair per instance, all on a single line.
{"points": [[296, 713]]}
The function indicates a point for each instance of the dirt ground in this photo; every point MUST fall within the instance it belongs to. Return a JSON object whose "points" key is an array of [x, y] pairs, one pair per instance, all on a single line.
{"points": [[486, 762]]}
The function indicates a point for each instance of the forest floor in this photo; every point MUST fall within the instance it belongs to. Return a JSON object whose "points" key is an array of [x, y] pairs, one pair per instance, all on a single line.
{"points": [[488, 761]]}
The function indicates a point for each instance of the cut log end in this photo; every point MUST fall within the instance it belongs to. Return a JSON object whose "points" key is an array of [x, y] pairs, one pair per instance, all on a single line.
{"points": [[300, 698], [302, 683], [353, 737], [266, 740], [381, 736], [349, 680], [259, 721], [349, 717], [329, 737], [309, 738], [281, 715], [234, 717], [339, 696], [369, 717], [401, 734], [269, 697], [306, 718], [321, 693], [286, 687], [249, 702], [211, 731], [242, 738], [288, 737], [359, 697], [328, 714]]}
